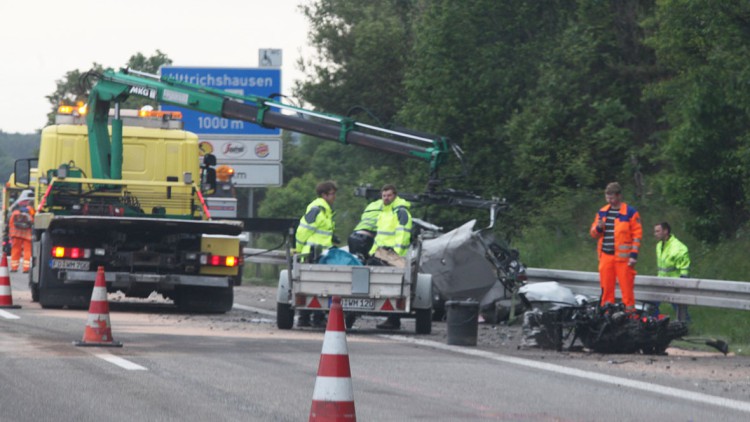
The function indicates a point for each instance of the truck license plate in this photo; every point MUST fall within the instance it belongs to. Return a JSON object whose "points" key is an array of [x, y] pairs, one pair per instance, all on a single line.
{"points": [[69, 264], [356, 303]]}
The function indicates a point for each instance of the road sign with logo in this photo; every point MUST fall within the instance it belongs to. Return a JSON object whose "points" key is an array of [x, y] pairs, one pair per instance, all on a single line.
{"points": [[239, 150], [256, 160], [244, 81]]}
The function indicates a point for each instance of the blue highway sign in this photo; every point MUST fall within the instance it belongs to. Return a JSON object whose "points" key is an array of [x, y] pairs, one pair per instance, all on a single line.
{"points": [[244, 81]]}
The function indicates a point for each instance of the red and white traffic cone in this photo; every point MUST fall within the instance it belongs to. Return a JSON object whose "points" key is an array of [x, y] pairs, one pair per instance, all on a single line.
{"points": [[333, 398], [6, 297], [98, 332]]}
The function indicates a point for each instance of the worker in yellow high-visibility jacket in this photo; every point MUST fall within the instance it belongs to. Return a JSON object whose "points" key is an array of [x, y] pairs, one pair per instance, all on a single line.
{"points": [[672, 260], [393, 232], [363, 236], [316, 227], [314, 233]]}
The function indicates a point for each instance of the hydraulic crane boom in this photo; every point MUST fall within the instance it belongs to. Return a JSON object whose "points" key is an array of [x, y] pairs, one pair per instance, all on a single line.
{"points": [[116, 86]]}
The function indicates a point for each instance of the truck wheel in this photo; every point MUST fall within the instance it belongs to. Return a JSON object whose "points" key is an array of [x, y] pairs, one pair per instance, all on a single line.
{"points": [[202, 299], [284, 316], [44, 272], [423, 321], [237, 280], [33, 287]]}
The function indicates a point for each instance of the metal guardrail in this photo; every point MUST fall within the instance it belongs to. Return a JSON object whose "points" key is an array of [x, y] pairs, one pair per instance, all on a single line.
{"points": [[263, 256], [686, 291]]}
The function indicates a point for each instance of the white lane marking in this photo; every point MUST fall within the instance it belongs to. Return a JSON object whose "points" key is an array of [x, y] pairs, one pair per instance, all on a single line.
{"points": [[122, 363], [608, 379], [253, 309], [8, 315]]}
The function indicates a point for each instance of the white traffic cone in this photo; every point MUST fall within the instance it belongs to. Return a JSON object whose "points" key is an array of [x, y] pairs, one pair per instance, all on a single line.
{"points": [[333, 398], [98, 331], [6, 297]]}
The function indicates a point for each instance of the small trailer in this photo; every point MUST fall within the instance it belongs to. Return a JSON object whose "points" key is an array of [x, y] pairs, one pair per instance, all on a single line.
{"points": [[364, 290]]}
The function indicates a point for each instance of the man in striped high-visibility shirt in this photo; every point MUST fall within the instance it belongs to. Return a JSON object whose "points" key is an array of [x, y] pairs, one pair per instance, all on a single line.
{"points": [[617, 226]]}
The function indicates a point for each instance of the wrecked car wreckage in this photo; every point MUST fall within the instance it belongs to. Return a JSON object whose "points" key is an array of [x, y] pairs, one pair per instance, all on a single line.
{"points": [[465, 263], [557, 317]]}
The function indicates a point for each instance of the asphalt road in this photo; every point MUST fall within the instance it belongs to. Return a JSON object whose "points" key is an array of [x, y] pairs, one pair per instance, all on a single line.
{"points": [[239, 366]]}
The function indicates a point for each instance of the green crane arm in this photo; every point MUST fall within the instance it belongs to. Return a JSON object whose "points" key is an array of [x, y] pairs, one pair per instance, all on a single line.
{"points": [[116, 86]]}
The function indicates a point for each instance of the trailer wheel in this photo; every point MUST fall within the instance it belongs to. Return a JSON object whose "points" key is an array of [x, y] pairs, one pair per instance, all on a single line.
{"points": [[423, 321], [284, 316], [438, 315]]}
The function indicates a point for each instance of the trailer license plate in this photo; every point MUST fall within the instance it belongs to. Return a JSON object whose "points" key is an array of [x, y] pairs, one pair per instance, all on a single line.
{"points": [[69, 264], [355, 303]]}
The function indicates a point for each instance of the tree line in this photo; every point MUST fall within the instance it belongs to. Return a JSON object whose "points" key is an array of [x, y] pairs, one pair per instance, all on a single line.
{"points": [[14, 146], [548, 99]]}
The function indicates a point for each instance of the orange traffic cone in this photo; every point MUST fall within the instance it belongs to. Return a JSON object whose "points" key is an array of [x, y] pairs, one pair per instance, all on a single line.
{"points": [[333, 399], [98, 331], [6, 298]]}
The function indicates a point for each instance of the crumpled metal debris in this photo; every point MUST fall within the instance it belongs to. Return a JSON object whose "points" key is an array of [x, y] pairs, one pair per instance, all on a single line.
{"points": [[457, 263], [557, 315]]}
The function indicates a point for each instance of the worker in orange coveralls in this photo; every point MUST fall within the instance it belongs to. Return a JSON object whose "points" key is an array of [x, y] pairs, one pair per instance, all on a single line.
{"points": [[618, 228], [21, 222]]}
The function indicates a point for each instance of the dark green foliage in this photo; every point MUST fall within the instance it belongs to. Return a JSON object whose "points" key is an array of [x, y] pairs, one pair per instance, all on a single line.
{"points": [[14, 146], [472, 62], [583, 122], [550, 97], [703, 45], [362, 48]]}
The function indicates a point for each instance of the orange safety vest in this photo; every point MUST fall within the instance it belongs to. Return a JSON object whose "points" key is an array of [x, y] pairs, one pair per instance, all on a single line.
{"points": [[628, 231], [18, 232]]}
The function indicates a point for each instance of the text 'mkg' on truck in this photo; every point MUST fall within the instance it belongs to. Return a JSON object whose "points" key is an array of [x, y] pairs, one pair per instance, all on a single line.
{"points": [[148, 225]]}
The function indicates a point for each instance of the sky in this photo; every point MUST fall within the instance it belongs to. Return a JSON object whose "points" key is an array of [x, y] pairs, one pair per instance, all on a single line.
{"points": [[42, 40]]}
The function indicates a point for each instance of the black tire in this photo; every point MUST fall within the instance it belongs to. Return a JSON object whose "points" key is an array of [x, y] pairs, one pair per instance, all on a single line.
{"points": [[438, 309], [284, 316], [33, 287], [423, 321], [438, 315], [349, 319], [45, 273], [202, 299], [237, 280]]}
